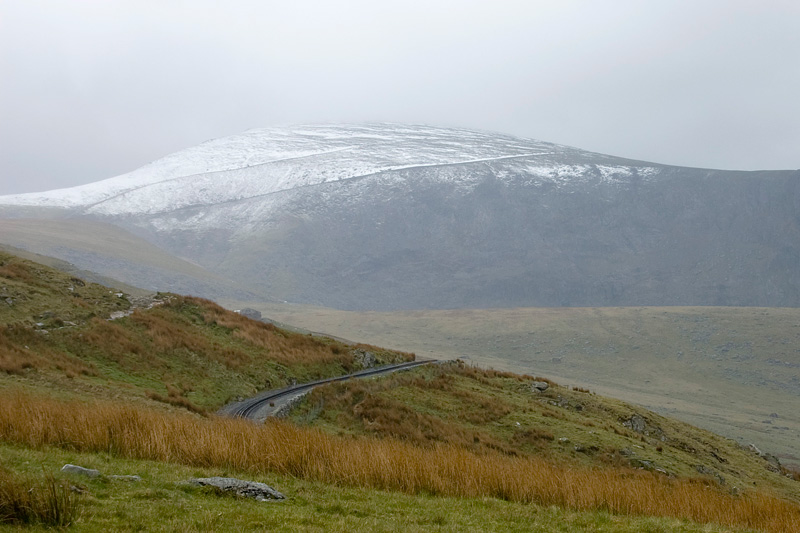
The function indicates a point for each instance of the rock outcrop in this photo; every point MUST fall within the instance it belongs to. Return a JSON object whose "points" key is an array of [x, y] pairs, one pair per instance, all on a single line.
{"points": [[246, 489]]}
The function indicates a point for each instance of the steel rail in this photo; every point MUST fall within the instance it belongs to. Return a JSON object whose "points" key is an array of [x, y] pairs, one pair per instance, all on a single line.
{"points": [[250, 407]]}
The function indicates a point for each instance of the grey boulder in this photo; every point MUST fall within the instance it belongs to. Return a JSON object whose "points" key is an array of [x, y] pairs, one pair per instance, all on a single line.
{"points": [[248, 489]]}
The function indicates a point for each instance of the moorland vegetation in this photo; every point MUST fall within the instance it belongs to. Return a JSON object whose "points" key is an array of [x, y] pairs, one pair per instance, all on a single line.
{"points": [[91, 375]]}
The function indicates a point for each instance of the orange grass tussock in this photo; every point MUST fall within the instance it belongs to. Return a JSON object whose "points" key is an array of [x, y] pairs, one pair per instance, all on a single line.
{"points": [[387, 464], [46, 501]]}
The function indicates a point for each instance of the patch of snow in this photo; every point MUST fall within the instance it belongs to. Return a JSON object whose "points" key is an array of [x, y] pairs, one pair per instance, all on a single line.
{"points": [[265, 162]]}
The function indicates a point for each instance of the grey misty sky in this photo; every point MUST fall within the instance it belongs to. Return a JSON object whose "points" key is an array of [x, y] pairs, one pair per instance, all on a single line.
{"points": [[95, 88]]}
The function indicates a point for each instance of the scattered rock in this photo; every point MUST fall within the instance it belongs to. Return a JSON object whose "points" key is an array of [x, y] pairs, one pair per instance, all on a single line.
{"points": [[365, 358], [89, 472], [753, 448], [636, 422], [79, 470], [539, 386], [639, 424], [133, 479], [247, 489], [773, 464], [706, 471], [561, 402], [284, 410], [715, 454], [250, 313]]}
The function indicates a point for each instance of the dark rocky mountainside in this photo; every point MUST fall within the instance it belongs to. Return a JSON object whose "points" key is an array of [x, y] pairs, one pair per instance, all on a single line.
{"points": [[405, 217]]}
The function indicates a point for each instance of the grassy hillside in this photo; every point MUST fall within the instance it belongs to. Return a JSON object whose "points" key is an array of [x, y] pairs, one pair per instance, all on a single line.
{"points": [[91, 376], [56, 332], [487, 411], [109, 435], [114, 252], [161, 503], [72, 270], [735, 371]]}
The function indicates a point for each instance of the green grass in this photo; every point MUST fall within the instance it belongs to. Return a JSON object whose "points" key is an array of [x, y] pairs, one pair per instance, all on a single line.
{"points": [[160, 503]]}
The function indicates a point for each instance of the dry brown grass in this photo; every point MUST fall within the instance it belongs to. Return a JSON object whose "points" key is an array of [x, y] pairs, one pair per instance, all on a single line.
{"points": [[17, 271], [485, 375], [45, 501], [176, 400], [170, 331], [22, 348], [188, 325], [281, 346], [379, 415], [382, 464], [387, 417]]}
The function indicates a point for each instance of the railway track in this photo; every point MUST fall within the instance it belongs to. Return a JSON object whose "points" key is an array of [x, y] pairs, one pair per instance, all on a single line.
{"points": [[254, 408]]}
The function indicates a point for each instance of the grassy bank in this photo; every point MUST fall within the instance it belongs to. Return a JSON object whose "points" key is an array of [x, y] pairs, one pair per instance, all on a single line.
{"points": [[160, 502], [384, 464]]}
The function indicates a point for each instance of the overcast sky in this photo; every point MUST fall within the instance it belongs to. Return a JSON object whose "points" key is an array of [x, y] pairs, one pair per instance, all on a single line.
{"points": [[90, 89]]}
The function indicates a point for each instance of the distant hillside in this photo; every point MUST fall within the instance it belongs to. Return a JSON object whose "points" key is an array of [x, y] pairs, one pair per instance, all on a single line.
{"points": [[103, 249], [389, 217]]}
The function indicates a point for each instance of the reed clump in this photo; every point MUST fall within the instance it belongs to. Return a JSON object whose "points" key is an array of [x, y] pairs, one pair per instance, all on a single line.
{"points": [[387, 464], [46, 501]]}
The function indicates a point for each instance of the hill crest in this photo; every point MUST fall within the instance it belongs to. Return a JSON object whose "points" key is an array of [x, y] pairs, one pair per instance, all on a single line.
{"points": [[265, 161]]}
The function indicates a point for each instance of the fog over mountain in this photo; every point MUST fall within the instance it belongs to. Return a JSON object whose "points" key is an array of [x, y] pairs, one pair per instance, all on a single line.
{"points": [[389, 216]]}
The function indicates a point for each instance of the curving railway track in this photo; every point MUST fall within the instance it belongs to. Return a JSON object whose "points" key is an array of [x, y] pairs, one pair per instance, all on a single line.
{"points": [[270, 402]]}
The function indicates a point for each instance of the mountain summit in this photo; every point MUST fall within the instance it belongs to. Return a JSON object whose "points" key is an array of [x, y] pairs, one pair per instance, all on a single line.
{"points": [[387, 216], [271, 161]]}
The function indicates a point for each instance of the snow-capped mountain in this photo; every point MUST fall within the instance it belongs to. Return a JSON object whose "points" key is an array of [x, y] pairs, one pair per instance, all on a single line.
{"points": [[394, 216], [265, 162]]}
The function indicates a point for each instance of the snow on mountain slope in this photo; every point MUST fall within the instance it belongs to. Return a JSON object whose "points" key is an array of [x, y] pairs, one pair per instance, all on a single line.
{"points": [[261, 162], [387, 216]]}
